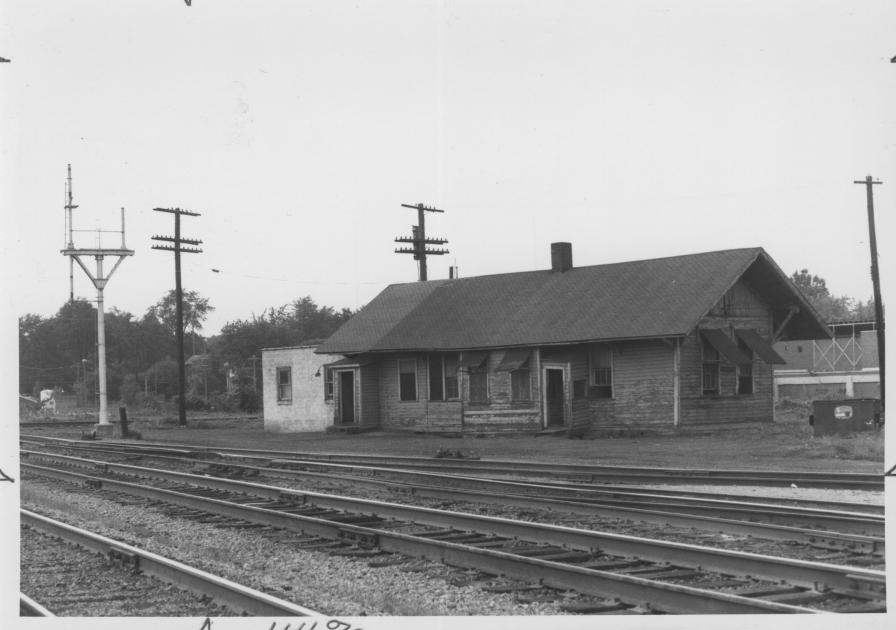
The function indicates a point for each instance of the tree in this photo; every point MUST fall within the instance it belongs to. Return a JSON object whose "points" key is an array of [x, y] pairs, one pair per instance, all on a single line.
{"points": [[299, 322], [51, 350], [831, 308], [196, 308]]}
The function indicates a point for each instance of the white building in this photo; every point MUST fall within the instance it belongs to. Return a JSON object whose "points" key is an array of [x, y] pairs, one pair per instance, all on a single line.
{"points": [[296, 395]]}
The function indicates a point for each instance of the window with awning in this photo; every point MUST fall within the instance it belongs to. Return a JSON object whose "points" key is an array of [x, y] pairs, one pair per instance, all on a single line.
{"points": [[723, 344], [472, 360], [476, 363], [759, 346], [514, 359]]}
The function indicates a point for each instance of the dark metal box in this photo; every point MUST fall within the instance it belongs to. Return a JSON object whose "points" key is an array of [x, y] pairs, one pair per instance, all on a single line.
{"points": [[849, 415]]}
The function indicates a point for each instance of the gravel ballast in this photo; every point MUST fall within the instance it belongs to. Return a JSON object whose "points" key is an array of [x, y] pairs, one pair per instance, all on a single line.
{"points": [[314, 579]]}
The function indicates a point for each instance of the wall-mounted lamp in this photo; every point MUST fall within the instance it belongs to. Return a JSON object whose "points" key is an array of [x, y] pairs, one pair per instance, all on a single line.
{"points": [[317, 374]]}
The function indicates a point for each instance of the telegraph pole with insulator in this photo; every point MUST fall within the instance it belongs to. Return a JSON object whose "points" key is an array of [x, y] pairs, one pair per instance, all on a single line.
{"points": [[177, 246], [419, 241], [875, 280]]}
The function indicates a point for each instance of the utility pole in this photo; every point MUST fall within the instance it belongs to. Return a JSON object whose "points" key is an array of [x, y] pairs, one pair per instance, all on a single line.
{"points": [[419, 240], [177, 247], [875, 279], [99, 280]]}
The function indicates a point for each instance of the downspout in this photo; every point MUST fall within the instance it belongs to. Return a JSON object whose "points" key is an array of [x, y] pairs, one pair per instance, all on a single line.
{"points": [[676, 382], [460, 391]]}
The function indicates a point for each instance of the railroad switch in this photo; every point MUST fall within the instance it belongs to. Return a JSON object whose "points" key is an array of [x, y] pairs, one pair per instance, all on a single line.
{"points": [[296, 499], [96, 484]]}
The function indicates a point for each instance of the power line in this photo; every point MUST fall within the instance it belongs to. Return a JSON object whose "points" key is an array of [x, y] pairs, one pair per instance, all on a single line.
{"points": [[295, 281]]}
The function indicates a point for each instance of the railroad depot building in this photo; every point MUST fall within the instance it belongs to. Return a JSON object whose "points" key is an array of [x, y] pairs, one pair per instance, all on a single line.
{"points": [[662, 343]]}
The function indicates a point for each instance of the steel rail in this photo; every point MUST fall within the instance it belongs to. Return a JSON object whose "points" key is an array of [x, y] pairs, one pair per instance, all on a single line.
{"points": [[850, 580], [582, 471], [579, 492], [237, 596], [829, 539], [30, 608], [853, 519], [709, 504], [643, 591]]}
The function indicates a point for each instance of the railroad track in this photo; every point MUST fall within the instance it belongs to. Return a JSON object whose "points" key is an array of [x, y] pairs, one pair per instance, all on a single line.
{"points": [[578, 472], [672, 577], [123, 579], [850, 531], [544, 488]]}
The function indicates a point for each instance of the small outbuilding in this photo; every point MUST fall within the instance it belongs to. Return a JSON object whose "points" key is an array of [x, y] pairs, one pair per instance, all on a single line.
{"points": [[662, 343], [294, 394]]}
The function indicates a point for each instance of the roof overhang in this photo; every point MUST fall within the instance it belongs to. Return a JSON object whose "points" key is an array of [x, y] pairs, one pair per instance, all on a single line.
{"points": [[533, 344], [784, 298]]}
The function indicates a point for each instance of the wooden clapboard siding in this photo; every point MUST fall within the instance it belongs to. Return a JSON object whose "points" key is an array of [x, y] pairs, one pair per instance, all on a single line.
{"points": [[642, 387], [742, 309], [420, 414], [501, 412]]}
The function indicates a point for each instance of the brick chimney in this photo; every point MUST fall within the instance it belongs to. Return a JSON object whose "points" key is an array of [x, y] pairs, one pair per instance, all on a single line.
{"points": [[561, 257]]}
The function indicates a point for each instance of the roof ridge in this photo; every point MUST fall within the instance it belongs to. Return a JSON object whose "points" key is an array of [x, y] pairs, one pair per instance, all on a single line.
{"points": [[442, 281]]}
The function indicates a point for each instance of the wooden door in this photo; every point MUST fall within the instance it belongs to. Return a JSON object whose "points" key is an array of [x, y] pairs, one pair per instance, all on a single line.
{"points": [[554, 398], [347, 397]]}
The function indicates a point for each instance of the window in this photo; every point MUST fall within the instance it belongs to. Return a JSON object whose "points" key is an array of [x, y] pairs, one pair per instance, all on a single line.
{"points": [[520, 385], [284, 384], [602, 372], [710, 369], [443, 376], [745, 372], [478, 385], [407, 379], [451, 365], [436, 380], [328, 384]]}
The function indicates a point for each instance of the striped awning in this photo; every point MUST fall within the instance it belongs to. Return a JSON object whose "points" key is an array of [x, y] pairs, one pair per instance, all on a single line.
{"points": [[759, 345], [727, 348], [514, 359], [470, 360]]}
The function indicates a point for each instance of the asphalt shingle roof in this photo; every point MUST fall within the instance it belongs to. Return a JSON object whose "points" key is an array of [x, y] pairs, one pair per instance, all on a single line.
{"points": [[662, 297]]}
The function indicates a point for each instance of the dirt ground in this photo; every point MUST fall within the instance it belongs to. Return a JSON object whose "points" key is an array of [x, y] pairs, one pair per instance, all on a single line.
{"points": [[786, 444]]}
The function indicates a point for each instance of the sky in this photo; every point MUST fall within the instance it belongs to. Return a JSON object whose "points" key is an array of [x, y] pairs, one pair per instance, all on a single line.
{"points": [[297, 129]]}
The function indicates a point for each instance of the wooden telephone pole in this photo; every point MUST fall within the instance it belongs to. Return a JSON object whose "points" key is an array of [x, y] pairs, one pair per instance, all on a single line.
{"points": [[875, 279], [177, 247], [419, 240]]}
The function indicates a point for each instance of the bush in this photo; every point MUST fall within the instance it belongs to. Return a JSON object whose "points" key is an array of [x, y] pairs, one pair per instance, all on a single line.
{"points": [[247, 399], [222, 401], [152, 402], [128, 392]]}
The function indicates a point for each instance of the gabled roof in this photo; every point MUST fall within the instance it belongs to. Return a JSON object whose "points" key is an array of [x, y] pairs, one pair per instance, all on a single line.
{"points": [[662, 297]]}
